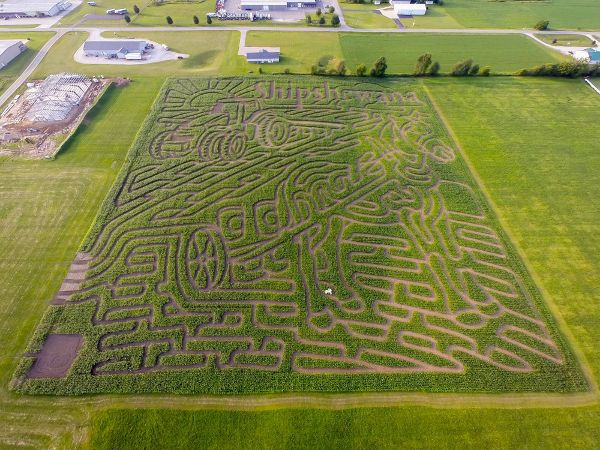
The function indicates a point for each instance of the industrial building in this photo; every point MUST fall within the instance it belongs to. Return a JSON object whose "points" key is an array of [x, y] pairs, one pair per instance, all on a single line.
{"points": [[263, 56], [122, 49], [275, 5], [9, 50], [33, 8]]}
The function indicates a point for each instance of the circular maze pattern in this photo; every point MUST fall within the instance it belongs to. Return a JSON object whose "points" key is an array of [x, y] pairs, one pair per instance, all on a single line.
{"points": [[300, 230]]}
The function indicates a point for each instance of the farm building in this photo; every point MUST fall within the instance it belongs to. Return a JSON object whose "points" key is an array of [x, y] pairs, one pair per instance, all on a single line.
{"points": [[125, 49], [409, 9], [275, 5], [33, 8], [9, 50], [263, 56]]}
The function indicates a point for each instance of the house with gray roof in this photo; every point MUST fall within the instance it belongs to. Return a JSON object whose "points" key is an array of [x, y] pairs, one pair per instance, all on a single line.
{"points": [[115, 48], [263, 56]]}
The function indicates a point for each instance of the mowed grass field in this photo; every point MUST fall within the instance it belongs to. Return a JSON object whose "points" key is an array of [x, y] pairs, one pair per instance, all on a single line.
{"points": [[562, 14], [503, 53], [543, 175], [208, 51]]}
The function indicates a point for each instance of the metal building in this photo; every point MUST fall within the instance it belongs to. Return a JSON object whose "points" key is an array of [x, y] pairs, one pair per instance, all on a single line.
{"points": [[33, 8], [9, 50], [275, 5], [115, 49], [263, 56]]}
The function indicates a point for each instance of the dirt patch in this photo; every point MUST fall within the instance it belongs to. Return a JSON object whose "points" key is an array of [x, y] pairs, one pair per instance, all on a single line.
{"points": [[56, 357], [24, 134]]}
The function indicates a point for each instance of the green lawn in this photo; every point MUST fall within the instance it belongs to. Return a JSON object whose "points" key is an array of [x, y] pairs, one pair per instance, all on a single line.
{"points": [[364, 19], [17, 65], [569, 40], [208, 50], [503, 53], [409, 427], [562, 14]]}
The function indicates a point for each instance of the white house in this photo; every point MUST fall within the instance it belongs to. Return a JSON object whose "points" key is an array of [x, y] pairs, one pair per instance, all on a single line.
{"points": [[409, 9]]}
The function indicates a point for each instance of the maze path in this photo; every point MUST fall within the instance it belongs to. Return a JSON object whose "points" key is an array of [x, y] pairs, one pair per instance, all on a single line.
{"points": [[313, 229]]}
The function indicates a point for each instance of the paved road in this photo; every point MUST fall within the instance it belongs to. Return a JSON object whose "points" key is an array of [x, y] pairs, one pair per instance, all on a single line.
{"points": [[6, 95], [303, 29]]}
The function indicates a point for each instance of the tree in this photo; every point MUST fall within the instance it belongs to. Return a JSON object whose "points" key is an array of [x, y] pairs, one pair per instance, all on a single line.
{"points": [[335, 20], [169, 20], [127, 18], [485, 72], [423, 63], [542, 25], [434, 69], [196, 20], [136, 9], [322, 20], [361, 70], [474, 70], [331, 10], [379, 68], [337, 66], [208, 20], [308, 19], [462, 68], [260, 70], [318, 12]]}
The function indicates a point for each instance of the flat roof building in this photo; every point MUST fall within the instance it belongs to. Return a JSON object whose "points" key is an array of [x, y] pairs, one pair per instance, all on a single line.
{"points": [[33, 8], [263, 56], [9, 50], [115, 48], [276, 5]]}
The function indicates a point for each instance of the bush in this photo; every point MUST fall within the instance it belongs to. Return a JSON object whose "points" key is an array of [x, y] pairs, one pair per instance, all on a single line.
{"points": [[337, 67], [208, 20], [434, 69], [287, 71], [170, 20], [423, 63], [566, 69], [542, 25], [308, 19], [196, 20], [335, 20], [260, 70], [136, 9], [331, 10], [127, 18], [474, 70], [322, 20], [379, 68], [485, 72], [361, 70], [462, 68], [318, 12]]}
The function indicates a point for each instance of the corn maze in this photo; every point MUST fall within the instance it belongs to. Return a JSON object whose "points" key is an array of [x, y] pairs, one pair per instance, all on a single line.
{"points": [[273, 235]]}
